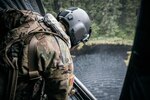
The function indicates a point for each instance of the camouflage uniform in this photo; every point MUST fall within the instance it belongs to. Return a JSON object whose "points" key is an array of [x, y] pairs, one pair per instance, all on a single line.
{"points": [[45, 63]]}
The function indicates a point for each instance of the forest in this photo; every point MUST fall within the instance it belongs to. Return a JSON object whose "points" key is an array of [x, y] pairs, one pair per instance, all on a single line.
{"points": [[110, 18]]}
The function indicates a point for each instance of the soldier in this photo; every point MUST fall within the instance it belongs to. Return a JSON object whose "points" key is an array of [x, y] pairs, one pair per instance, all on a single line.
{"points": [[37, 48]]}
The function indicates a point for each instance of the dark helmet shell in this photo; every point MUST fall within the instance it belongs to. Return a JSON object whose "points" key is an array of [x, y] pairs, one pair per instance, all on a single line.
{"points": [[78, 24]]}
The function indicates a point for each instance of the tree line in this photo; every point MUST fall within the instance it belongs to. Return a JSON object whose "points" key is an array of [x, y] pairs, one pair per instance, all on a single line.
{"points": [[109, 17]]}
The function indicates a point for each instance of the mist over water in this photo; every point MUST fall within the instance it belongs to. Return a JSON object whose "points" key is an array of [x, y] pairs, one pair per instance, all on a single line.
{"points": [[101, 69]]}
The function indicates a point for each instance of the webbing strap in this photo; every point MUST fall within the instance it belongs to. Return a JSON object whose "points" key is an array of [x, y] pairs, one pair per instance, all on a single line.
{"points": [[33, 72], [12, 75]]}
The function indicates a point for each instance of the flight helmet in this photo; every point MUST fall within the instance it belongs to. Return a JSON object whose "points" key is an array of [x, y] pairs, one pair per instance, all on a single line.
{"points": [[77, 24]]}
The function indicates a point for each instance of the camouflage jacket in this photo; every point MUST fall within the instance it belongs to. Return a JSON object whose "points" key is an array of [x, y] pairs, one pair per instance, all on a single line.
{"points": [[41, 53]]}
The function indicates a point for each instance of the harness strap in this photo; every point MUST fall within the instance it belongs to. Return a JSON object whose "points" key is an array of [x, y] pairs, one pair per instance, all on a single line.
{"points": [[32, 58], [12, 75]]}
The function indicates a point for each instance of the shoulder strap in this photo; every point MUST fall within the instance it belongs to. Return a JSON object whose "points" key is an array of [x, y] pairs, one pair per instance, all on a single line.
{"points": [[33, 73]]}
